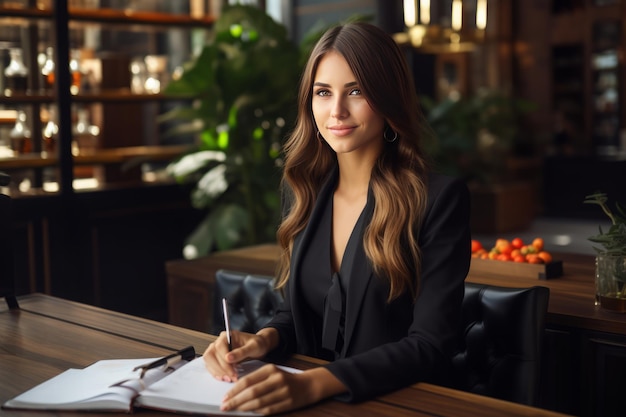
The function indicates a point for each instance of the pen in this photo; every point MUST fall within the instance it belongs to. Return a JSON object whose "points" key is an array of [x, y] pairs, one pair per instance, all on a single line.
{"points": [[185, 354], [227, 323]]}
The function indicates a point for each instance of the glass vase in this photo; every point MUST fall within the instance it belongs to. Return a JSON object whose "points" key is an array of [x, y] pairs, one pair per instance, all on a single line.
{"points": [[20, 135], [15, 74], [611, 281], [50, 133], [47, 71]]}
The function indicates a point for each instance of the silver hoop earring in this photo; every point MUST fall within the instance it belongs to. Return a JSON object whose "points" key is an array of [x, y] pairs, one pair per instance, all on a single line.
{"points": [[319, 136], [393, 139]]}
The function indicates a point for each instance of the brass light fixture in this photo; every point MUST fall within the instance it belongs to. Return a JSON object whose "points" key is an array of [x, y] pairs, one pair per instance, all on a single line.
{"points": [[443, 27]]}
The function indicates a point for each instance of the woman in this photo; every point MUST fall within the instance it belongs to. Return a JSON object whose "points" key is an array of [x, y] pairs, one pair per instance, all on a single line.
{"points": [[375, 247]]}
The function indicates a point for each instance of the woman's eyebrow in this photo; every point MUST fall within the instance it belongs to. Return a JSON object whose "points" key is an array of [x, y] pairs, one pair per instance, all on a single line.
{"points": [[346, 85]]}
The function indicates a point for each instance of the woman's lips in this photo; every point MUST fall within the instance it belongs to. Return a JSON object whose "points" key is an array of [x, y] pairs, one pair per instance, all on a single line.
{"points": [[341, 130]]}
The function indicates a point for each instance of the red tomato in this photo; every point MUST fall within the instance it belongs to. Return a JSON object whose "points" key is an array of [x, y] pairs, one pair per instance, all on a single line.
{"points": [[506, 248], [504, 257], [517, 243], [476, 246]]}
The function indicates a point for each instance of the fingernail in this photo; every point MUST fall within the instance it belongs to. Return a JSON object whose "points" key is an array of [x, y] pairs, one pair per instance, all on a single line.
{"points": [[226, 378]]}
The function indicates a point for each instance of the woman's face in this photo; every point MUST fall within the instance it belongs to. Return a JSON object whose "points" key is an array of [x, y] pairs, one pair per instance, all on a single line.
{"points": [[341, 112]]}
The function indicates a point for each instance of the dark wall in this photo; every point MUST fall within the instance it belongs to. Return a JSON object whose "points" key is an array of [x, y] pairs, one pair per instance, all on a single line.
{"points": [[105, 248]]}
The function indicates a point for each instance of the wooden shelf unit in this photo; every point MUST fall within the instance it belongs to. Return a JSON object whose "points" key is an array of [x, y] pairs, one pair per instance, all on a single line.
{"points": [[127, 16], [104, 244], [124, 132]]}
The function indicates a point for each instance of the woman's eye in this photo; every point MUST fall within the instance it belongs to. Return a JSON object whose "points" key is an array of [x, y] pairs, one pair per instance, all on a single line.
{"points": [[322, 93], [355, 92]]}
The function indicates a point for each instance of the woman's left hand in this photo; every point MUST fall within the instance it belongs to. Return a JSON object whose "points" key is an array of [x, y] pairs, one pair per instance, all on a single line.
{"points": [[270, 390]]}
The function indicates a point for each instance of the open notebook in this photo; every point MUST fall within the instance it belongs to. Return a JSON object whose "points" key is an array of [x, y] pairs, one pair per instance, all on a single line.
{"points": [[112, 385]]}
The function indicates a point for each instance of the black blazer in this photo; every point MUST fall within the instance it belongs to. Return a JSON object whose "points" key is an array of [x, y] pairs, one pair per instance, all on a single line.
{"points": [[388, 346]]}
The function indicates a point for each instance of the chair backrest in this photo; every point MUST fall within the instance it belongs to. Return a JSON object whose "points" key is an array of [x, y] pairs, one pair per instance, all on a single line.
{"points": [[7, 280], [252, 300], [500, 349]]}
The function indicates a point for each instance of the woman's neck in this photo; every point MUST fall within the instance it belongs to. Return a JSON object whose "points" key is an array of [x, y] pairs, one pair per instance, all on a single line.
{"points": [[354, 175]]}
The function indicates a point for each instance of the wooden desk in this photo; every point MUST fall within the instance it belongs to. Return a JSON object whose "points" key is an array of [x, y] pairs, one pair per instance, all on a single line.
{"points": [[584, 353], [48, 335], [572, 296]]}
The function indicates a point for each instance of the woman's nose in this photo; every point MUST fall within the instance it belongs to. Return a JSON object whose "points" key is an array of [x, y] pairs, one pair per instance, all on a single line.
{"points": [[339, 109]]}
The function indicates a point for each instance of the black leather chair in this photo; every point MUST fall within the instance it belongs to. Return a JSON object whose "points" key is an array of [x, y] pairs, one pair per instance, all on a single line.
{"points": [[7, 285], [251, 299], [500, 339], [502, 334]]}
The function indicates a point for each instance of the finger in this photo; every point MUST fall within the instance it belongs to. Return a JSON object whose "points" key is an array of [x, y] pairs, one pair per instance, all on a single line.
{"points": [[267, 404], [276, 408], [263, 396], [259, 382], [215, 360], [212, 363], [233, 358], [242, 384], [260, 392], [243, 345], [220, 349]]}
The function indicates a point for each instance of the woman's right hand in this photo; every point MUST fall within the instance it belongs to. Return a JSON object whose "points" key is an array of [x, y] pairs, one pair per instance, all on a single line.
{"points": [[222, 363]]}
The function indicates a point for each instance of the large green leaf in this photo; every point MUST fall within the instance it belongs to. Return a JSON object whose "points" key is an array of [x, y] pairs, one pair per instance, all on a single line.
{"points": [[201, 240], [198, 75], [230, 225]]}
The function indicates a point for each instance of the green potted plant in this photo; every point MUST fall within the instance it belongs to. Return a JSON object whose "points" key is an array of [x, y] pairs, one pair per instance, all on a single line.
{"points": [[475, 135], [243, 86], [474, 138], [611, 255]]}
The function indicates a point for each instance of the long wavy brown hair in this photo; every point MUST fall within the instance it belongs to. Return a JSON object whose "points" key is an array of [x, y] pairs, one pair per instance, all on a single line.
{"points": [[398, 179]]}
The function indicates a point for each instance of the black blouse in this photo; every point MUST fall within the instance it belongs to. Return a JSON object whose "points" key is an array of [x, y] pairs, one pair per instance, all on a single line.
{"points": [[323, 290]]}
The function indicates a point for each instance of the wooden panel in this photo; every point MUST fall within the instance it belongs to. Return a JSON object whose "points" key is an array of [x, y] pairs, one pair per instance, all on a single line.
{"points": [[502, 208], [440, 401], [560, 371], [105, 248], [7, 282], [198, 276], [31, 242], [566, 27], [190, 302], [605, 379], [517, 269], [122, 123]]}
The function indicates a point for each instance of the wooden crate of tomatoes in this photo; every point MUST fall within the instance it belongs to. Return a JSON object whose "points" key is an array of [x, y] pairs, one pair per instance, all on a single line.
{"points": [[515, 258]]}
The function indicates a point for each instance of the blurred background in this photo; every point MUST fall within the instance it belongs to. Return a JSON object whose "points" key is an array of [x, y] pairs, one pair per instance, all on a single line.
{"points": [[109, 107]]}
